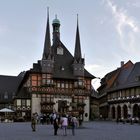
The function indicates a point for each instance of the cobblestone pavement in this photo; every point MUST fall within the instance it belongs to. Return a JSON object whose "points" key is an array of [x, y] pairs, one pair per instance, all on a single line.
{"points": [[89, 131]]}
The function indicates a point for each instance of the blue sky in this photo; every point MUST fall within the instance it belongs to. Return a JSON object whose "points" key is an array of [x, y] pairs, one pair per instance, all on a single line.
{"points": [[109, 32]]}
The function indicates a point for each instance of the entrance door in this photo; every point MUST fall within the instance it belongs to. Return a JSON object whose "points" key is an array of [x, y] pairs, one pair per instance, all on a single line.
{"points": [[62, 106]]}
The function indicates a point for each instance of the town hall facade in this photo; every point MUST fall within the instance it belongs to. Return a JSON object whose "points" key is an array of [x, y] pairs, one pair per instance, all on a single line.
{"points": [[59, 82]]}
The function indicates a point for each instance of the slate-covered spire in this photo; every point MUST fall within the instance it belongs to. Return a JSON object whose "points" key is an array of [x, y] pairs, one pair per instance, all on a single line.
{"points": [[77, 52], [78, 63], [47, 43]]}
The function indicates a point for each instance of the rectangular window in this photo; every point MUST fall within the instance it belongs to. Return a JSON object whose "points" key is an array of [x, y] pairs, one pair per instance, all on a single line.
{"points": [[127, 93], [5, 95], [132, 92], [34, 83], [43, 81], [23, 102], [62, 85], [70, 85], [138, 91], [67, 85], [44, 76], [34, 77], [48, 81], [120, 93], [28, 102], [48, 99], [58, 85], [18, 102], [75, 84], [80, 83]]}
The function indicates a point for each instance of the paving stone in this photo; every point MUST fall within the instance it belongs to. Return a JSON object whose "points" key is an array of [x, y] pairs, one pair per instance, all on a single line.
{"points": [[90, 131]]}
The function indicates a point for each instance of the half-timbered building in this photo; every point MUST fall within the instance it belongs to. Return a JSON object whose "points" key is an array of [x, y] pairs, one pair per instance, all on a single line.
{"points": [[119, 93], [59, 82]]}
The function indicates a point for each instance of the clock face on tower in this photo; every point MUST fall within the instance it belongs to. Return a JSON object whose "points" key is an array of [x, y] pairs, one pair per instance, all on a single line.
{"points": [[60, 50]]}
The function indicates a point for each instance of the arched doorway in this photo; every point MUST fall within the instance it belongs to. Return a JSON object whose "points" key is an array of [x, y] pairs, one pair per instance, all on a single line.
{"points": [[136, 111], [125, 112], [113, 112], [118, 112]]}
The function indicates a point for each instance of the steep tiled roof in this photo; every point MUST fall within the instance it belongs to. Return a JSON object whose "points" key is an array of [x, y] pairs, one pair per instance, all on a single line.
{"points": [[9, 86], [121, 80], [63, 63], [23, 93], [63, 67], [123, 77], [108, 80], [134, 77]]}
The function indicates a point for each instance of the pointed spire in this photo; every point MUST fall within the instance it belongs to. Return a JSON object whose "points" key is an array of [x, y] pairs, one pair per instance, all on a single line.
{"points": [[47, 43], [77, 52]]}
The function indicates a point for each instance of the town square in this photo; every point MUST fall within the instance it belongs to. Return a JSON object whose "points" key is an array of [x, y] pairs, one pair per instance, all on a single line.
{"points": [[69, 70], [90, 130]]}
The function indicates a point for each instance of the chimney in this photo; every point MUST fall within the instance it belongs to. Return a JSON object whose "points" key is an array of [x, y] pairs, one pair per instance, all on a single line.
{"points": [[122, 63]]}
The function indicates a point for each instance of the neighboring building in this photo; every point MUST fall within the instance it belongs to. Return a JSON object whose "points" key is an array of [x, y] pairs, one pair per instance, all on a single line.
{"points": [[94, 105], [58, 82], [8, 92], [119, 93], [8, 89], [22, 101]]}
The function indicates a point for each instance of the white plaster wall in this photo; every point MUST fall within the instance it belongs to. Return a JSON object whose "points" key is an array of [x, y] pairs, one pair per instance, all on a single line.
{"points": [[86, 109], [36, 104]]}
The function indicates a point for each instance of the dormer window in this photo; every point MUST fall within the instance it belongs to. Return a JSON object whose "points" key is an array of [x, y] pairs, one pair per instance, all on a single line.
{"points": [[62, 68], [80, 82], [137, 78], [44, 64], [60, 50], [6, 95]]}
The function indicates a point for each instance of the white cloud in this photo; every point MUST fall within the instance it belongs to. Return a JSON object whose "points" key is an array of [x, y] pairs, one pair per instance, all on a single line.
{"points": [[126, 27], [100, 69], [90, 66], [122, 19], [134, 4]]}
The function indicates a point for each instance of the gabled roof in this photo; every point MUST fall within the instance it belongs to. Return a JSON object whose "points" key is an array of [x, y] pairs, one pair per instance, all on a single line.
{"points": [[108, 80], [63, 67], [122, 78], [23, 93], [119, 78], [134, 77], [9, 85], [63, 64]]}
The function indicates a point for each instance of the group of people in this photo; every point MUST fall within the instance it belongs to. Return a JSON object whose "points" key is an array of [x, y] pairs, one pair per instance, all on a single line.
{"points": [[64, 122], [58, 121]]}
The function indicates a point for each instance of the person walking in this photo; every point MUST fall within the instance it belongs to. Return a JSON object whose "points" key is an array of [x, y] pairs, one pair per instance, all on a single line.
{"points": [[73, 124], [33, 122], [64, 124], [55, 125]]}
